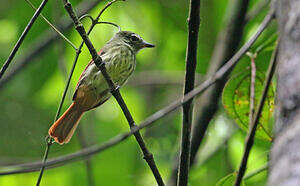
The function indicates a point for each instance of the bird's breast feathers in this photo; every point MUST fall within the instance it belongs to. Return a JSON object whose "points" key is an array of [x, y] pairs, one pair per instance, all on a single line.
{"points": [[119, 62]]}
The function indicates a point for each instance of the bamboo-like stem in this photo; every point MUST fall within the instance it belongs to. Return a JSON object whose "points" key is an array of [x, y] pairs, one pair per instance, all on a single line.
{"points": [[191, 62]]}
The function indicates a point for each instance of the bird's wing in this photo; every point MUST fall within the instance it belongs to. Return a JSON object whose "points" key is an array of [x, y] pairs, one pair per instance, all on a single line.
{"points": [[82, 75]]}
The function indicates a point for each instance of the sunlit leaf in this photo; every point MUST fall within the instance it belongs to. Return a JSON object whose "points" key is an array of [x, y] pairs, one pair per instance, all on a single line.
{"points": [[228, 180], [236, 100]]}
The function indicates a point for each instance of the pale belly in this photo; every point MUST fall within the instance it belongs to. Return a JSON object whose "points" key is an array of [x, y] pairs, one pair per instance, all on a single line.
{"points": [[94, 89]]}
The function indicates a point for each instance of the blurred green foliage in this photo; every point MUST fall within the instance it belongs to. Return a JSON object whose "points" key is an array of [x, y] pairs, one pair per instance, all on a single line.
{"points": [[28, 103]]}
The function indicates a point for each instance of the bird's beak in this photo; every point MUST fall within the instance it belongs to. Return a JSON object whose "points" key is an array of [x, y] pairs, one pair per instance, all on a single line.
{"points": [[148, 45]]}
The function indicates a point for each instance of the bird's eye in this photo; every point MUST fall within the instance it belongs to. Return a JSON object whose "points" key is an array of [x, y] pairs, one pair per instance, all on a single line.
{"points": [[134, 38]]}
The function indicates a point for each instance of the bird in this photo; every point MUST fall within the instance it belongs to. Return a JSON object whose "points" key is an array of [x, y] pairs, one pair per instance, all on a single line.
{"points": [[92, 90]]}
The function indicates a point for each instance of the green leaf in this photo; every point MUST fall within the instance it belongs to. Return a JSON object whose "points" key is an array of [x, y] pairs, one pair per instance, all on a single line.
{"points": [[228, 180], [236, 101]]}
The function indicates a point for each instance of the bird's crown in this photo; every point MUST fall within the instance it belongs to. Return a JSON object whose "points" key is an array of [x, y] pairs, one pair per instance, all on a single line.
{"points": [[133, 40]]}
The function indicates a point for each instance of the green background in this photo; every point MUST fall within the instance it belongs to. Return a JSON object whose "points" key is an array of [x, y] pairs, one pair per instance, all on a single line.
{"points": [[28, 103]]}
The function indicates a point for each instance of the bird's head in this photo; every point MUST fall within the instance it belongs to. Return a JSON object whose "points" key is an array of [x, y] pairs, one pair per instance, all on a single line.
{"points": [[131, 39]]}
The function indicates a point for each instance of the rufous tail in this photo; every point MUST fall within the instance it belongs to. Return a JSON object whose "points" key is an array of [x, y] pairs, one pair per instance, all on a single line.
{"points": [[63, 129]]}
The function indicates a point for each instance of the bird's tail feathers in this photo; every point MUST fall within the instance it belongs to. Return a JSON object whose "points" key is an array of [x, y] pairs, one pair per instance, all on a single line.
{"points": [[63, 129]]}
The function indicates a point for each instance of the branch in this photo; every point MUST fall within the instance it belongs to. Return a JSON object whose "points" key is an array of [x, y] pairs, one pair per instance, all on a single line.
{"points": [[22, 37], [191, 62], [255, 121], [44, 41], [156, 116], [64, 72], [114, 90], [252, 88]]}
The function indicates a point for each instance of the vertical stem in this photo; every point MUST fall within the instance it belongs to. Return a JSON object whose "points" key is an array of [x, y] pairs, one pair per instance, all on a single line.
{"points": [[49, 143], [191, 62], [252, 90]]}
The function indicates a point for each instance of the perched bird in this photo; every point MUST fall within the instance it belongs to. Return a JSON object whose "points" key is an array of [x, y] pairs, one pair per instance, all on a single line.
{"points": [[92, 90]]}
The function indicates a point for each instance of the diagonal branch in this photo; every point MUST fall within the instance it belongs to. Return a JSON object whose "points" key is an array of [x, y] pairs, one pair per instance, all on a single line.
{"points": [[22, 37], [191, 62], [156, 116], [114, 90], [255, 121]]}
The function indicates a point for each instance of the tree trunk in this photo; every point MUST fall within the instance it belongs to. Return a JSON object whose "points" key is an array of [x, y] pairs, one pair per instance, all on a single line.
{"points": [[285, 153]]}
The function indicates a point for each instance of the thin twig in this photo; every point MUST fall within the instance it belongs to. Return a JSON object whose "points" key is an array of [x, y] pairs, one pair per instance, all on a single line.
{"points": [[62, 66], [252, 129], [44, 41], [49, 142], [53, 27], [157, 115], [22, 37], [191, 63], [252, 88], [48, 145]]}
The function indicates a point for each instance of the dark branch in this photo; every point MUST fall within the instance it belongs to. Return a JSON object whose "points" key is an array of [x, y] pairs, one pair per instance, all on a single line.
{"points": [[191, 62], [255, 121], [229, 40], [156, 116], [22, 37]]}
